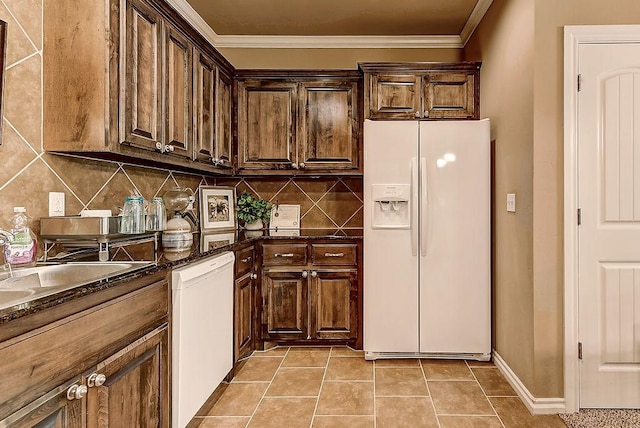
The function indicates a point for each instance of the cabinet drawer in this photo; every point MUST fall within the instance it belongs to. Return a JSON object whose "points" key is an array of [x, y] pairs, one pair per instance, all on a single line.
{"points": [[334, 254], [284, 254], [245, 259]]}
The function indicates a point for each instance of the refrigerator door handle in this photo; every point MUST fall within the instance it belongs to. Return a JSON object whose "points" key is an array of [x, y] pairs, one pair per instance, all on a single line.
{"points": [[414, 206], [423, 206]]}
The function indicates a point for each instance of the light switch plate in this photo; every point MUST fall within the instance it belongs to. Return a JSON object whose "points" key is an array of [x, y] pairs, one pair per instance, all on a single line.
{"points": [[56, 204], [511, 202]]}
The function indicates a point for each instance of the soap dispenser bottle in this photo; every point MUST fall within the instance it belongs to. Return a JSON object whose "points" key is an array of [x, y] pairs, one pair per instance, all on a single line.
{"points": [[22, 249]]}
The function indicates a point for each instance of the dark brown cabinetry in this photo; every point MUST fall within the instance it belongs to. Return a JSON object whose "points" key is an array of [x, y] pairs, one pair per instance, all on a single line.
{"points": [[65, 374], [296, 122], [421, 90], [123, 82], [244, 308], [311, 293]]}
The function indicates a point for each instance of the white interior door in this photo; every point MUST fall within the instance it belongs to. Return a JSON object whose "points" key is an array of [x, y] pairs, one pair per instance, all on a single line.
{"points": [[609, 236]]}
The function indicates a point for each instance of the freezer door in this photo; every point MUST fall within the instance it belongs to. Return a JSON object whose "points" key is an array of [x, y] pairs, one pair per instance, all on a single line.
{"points": [[455, 287], [390, 254]]}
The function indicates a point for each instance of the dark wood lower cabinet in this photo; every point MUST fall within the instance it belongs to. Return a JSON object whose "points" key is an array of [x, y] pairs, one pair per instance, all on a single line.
{"points": [[244, 314], [135, 391], [285, 305], [334, 304]]}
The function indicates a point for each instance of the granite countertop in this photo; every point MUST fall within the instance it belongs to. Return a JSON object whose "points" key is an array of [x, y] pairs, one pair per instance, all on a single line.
{"points": [[204, 245]]}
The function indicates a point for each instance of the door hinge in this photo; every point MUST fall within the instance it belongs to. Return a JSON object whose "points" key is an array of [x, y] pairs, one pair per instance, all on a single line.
{"points": [[579, 216], [579, 350], [579, 82]]}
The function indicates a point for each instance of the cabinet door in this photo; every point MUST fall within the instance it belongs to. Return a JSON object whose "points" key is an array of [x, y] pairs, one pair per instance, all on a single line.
{"points": [[285, 305], [178, 78], [53, 410], [334, 304], [449, 95], [136, 390], [266, 113], [141, 74], [328, 127], [224, 133], [243, 316], [394, 96], [205, 75]]}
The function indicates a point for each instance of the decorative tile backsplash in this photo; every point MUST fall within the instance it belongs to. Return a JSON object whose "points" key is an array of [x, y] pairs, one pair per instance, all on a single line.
{"points": [[28, 174]]}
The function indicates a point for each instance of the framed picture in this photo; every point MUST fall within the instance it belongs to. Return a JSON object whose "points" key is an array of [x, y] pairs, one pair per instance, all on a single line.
{"points": [[212, 241], [217, 208]]}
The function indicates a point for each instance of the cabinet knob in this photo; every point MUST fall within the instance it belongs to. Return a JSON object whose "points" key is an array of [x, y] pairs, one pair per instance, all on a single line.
{"points": [[417, 114], [246, 260], [159, 145], [77, 392], [96, 379], [302, 165], [294, 165], [314, 274], [169, 148], [305, 274], [254, 276]]}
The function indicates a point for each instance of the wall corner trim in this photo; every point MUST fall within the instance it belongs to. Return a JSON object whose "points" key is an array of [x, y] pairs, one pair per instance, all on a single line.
{"points": [[536, 406]]}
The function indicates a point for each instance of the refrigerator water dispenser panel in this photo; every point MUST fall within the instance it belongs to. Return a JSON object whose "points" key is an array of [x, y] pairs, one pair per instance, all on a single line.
{"points": [[391, 207]]}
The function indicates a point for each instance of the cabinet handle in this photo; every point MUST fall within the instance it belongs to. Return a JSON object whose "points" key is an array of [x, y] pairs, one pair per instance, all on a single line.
{"points": [[246, 260], [254, 276], [169, 148], [314, 274], [77, 392], [302, 165], [159, 145], [294, 165], [283, 255], [417, 114], [305, 274], [334, 254], [96, 379]]}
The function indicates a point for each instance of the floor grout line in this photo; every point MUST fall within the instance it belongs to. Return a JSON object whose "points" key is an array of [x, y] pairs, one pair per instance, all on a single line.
{"points": [[324, 375], [433, 405], [485, 394]]}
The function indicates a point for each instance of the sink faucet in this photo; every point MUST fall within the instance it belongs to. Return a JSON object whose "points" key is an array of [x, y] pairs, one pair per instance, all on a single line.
{"points": [[5, 238]]}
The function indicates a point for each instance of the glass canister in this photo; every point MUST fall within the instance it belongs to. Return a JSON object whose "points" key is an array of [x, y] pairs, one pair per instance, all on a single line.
{"points": [[132, 221], [157, 215]]}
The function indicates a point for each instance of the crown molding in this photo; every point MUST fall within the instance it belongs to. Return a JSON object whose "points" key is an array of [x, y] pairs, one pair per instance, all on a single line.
{"points": [[474, 20], [340, 42], [331, 42]]}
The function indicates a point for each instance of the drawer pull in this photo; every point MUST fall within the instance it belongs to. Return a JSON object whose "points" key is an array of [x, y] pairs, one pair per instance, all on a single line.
{"points": [[334, 254], [246, 260], [283, 255]]}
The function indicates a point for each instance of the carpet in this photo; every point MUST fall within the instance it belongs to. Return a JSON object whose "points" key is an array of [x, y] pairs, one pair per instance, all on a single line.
{"points": [[605, 418]]}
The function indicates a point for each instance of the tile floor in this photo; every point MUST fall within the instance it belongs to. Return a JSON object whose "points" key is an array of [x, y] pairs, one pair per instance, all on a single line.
{"points": [[336, 387]]}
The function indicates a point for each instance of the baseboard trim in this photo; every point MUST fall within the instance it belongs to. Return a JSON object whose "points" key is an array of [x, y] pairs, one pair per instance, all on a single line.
{"points": [[536, 406]]}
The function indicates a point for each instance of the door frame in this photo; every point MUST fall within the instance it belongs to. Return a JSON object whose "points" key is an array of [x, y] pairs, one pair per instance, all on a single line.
{"points": [[574, 36]]}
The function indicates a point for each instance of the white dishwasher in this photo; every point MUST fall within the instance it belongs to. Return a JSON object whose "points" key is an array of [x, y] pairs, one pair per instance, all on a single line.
{"points": [[202, 335]]}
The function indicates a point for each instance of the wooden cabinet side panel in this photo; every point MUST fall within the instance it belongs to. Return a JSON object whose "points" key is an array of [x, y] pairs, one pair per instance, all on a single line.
{"points": [[243, 317], [76, 104], [450, 95], [142, 68], [328, 134], [266, 122], [205, 107], [135, 389], [51, 355], [178, 78]]}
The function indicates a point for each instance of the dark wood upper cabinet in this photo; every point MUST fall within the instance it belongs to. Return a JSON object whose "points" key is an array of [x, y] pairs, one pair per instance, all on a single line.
{"points": [[421, 90], [290, 122], [224, 120], [121, 82]]}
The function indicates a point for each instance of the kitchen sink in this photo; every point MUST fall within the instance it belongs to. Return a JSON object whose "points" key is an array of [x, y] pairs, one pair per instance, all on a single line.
{"points": [[31, 283]]}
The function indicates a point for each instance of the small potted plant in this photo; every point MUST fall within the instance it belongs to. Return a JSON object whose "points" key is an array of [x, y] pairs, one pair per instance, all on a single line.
{"points": [[253, 211]]}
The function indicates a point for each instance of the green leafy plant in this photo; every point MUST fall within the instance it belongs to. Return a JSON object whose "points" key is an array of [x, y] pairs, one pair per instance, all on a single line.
{"points": [[251, 208]]}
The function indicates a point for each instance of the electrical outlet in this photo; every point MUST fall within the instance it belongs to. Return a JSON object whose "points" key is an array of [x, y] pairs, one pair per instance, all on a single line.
{"points": [[56, 204], [511, 202]]}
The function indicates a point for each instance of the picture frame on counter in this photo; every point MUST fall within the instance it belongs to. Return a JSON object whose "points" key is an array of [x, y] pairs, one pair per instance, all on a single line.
{"points": [[213, 241], [217, 208]]}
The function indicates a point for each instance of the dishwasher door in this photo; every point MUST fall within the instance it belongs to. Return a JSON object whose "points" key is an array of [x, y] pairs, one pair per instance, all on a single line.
{"points": [[202, 333]]}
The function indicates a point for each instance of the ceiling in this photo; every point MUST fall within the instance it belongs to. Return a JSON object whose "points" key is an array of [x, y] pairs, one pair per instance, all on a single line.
{"points": [[334, 23]]}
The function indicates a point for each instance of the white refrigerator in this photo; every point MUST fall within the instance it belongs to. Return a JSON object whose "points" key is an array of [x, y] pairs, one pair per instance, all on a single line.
{"points": [[427, 242]]}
